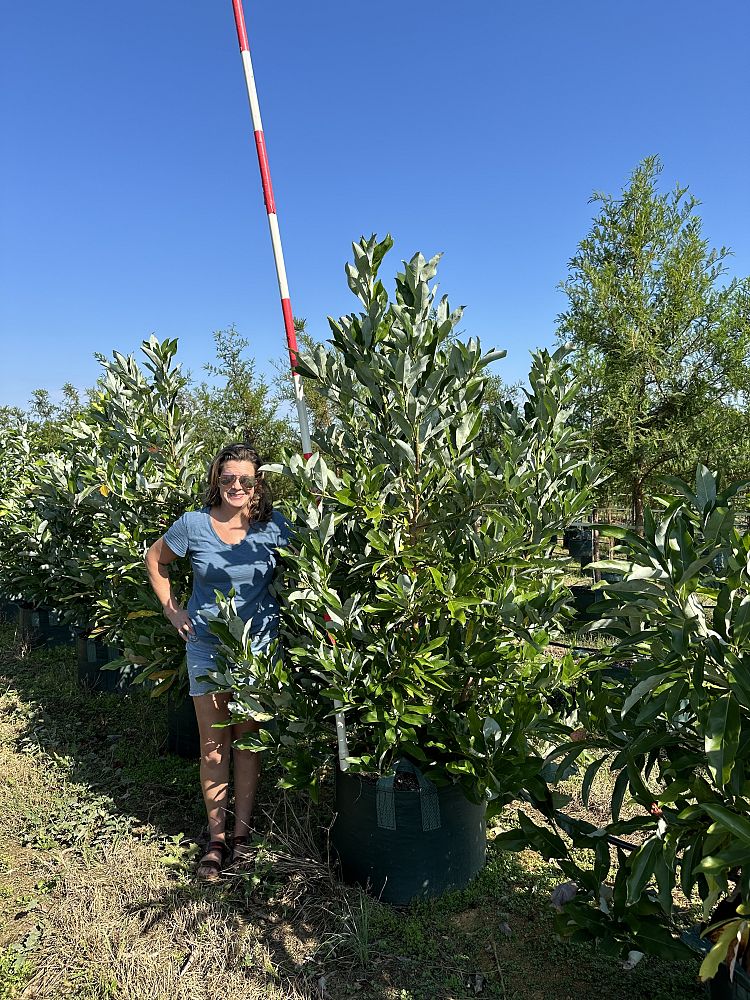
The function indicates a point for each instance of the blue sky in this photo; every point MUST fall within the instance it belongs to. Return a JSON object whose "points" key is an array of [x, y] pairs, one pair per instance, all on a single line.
{"points": [[130, 197]]}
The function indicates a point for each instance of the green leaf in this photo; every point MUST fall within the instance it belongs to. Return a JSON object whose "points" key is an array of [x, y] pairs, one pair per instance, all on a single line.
{"points": [[511, 840], [705, 487], [588, 779], [687, 867], [693, 570], [643, 868], [673, 791], [549, 844], [654, 938], [738, 825], [712, 961], [678, 487], [643, 688], [722, 737], [723, 861], [618, 793]]}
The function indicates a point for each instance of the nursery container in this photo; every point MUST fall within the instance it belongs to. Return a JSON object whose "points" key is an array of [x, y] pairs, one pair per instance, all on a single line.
{"points": [[93, 657], [182, 728], [8, 612], [583, 600], [587, 607], [404, 844], [43, 626], [585, 552], [578, 540], [722, 988]]}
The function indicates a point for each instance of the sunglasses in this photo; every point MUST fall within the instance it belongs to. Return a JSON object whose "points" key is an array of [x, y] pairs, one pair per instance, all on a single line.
{"points": [[246, 482]]}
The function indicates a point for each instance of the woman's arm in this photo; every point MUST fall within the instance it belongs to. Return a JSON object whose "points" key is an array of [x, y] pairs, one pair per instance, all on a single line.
{"points": [[158, 558]]}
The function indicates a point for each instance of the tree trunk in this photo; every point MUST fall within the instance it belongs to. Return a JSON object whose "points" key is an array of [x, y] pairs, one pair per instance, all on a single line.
{"points": [[637, 506], [595, 544]]}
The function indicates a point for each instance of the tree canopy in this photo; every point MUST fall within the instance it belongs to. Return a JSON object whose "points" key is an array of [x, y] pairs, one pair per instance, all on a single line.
{"points": [[661, 345]]}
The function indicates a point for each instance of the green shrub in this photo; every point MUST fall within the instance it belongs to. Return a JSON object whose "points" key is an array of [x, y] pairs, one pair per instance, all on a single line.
{"points": [[421, 591], [675, 732]]}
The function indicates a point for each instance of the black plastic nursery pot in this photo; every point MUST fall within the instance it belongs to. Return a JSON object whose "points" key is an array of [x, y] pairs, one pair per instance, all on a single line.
{"points": [[722, 988], [405, 844], [584, 599], [568, 535], [8, 612], [579, 543], [586, 607], [93, 657], [183, 738], [43, 626], [586, 556]]}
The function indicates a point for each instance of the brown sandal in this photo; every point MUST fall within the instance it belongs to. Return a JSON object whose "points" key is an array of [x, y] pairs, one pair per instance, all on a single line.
{"points": [[209, 870]]}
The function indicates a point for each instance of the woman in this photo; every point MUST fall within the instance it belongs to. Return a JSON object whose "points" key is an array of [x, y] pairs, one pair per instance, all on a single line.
{"points": [[231, 542]]}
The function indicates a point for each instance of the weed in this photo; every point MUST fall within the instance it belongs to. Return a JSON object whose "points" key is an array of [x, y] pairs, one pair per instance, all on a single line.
{"points": [[354, 938], [15, 972], [179, 851], [78, 820]]}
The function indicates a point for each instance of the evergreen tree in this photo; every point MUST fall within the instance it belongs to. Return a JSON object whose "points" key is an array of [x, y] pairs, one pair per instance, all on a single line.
{"points": [[661, 346]]}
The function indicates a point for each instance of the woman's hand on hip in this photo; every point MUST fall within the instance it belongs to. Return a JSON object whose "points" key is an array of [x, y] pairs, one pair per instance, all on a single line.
{"points": [[181, 621]]}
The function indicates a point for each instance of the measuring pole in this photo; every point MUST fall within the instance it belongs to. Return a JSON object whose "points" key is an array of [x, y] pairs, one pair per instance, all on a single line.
{"points": [[278, 256], [273, 225]]}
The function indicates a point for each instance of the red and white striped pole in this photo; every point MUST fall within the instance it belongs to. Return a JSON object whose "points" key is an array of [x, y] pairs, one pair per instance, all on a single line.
{"points": [[273, 225], [286, 303]]}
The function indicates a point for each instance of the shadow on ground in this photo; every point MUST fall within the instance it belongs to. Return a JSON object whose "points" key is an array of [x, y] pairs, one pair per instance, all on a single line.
{"points": [[114, 745]]}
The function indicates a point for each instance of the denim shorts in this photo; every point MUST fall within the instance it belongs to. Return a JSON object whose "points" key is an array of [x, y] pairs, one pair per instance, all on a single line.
{"points": [[201, 657]]}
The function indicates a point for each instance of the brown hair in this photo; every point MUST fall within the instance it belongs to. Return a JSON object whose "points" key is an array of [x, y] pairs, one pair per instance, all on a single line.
{"points": [[260, 505]]}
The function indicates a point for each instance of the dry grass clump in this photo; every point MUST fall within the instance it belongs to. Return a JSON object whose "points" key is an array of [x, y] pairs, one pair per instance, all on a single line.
{"points": [[125, 926], [119, 915], [116, 921]]}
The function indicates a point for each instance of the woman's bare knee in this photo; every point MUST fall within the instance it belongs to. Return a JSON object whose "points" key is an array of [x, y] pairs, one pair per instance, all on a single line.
{"points": [[215, 753]]}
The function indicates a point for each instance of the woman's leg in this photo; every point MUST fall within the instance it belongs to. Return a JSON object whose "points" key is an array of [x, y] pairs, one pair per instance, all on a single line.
{"points": [[246, 774], [214, 767]]}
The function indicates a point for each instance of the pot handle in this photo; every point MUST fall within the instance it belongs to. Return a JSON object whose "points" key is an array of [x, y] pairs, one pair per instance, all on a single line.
{"points": [[385, 798]]}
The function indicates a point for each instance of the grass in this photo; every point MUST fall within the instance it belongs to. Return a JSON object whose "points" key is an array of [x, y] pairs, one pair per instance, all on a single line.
{"points": [[100, 828]]}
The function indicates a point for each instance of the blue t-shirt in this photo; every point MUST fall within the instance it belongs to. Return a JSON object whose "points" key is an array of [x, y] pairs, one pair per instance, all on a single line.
{"points": [[217, 565]]}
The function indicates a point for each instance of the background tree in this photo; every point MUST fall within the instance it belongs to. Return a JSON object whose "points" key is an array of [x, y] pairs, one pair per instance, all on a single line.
{"points": [[661, 348], [46, 419], [322, 411], [238, 405]]}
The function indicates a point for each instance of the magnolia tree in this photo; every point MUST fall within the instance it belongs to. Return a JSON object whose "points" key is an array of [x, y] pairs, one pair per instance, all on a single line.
{"points": [[16, 475], [121, 474], [421, 591], [154, 471], [676, 736]]}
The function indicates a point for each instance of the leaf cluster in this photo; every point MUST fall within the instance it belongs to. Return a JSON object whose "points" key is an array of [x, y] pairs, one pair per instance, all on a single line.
{"points": [[674, 730], [80, 518]]}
